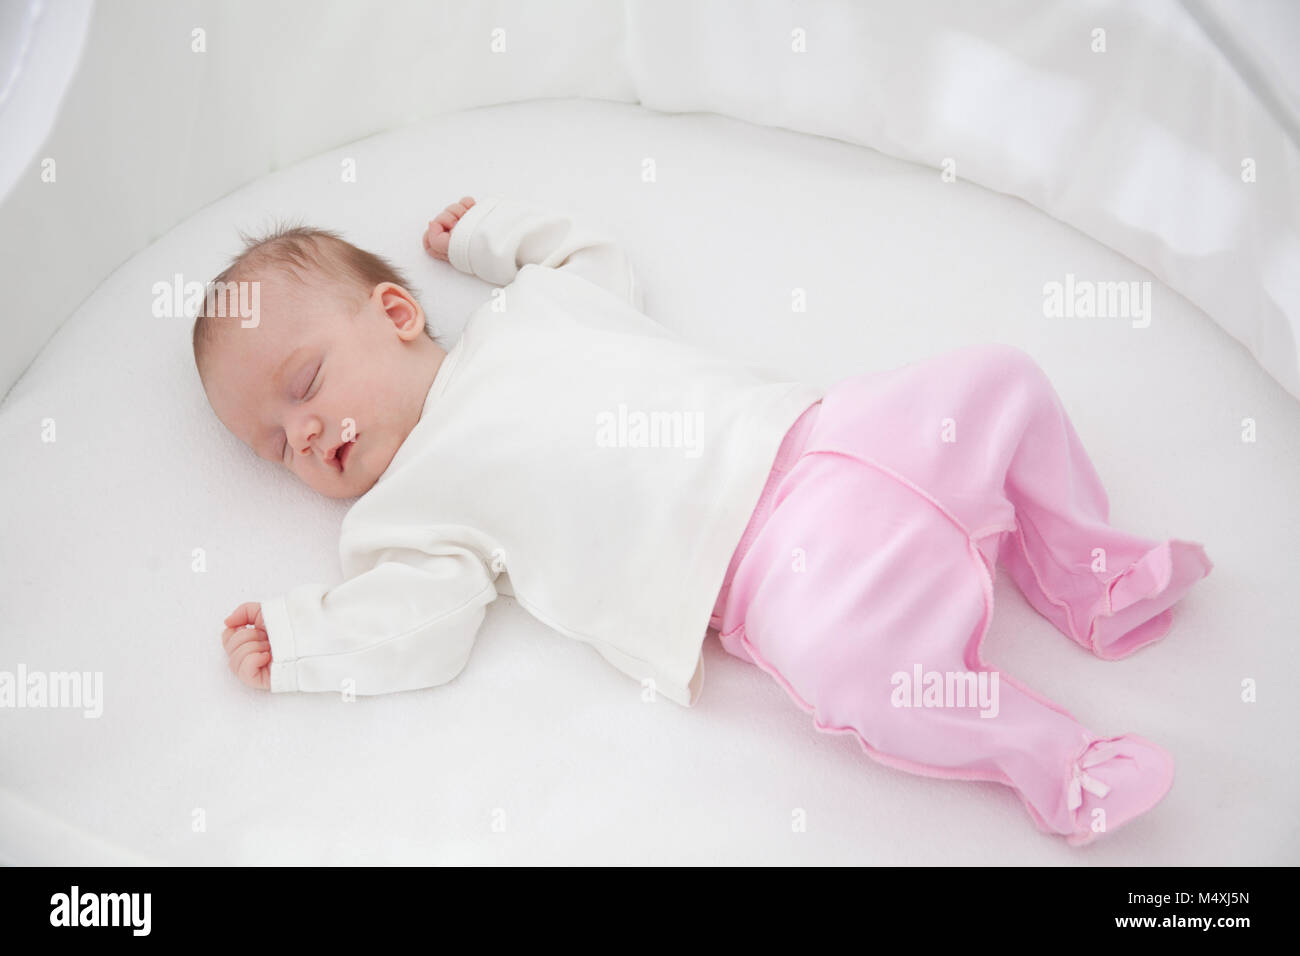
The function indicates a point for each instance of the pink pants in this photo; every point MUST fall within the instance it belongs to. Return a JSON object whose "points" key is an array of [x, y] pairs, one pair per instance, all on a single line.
{"points": [[864, 582]]}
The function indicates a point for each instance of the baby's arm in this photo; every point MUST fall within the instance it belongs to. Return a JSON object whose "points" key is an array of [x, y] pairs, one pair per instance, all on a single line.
{"points": [[496, 237], [408, 622]]}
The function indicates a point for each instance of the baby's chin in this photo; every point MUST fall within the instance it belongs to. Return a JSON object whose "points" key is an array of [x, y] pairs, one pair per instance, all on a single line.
{"points": [[351, 491], [349, 485]]}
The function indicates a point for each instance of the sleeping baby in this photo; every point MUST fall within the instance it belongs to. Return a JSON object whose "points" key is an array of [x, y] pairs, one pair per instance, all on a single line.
{"points": [[635, 493]]}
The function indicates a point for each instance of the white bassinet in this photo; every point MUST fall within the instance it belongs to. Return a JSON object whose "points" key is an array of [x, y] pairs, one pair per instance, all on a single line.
{"points": [[943, 167]]}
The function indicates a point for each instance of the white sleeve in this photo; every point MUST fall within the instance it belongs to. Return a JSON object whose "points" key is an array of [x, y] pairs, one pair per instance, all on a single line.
{"points": [[497, 237], [408, 622]]}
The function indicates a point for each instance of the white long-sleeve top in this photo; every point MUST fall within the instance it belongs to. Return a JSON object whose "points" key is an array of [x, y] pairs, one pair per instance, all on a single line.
{"points": [[571, 452]]}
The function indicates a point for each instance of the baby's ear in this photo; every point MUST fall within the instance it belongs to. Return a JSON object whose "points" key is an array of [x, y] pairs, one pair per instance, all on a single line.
{"points": [[401, 308]]}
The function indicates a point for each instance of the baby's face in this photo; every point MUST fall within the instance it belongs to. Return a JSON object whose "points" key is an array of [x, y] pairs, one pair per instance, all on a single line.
{"points": [[324, 385]]}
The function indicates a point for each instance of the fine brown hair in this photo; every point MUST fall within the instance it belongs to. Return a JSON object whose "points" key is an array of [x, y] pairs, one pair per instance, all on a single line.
{"points": [[298, 251]]}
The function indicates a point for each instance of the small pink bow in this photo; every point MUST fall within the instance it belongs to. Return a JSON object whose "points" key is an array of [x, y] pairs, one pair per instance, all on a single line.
{"points": [[1080, 781]]}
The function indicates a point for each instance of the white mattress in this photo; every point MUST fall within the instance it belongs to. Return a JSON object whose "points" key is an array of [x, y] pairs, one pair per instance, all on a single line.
{"points": [[100, 527]]}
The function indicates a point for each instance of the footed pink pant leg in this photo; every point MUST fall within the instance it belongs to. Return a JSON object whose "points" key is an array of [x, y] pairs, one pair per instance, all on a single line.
{"points": [[984, 432], [866, 577]]}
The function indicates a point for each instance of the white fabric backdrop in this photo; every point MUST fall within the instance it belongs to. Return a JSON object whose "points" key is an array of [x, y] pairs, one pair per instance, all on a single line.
{"points": [[1140, 145], [40, 46], [151, 130]]}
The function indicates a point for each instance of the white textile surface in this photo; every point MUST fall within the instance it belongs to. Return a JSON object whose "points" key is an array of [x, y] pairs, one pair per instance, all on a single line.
{"points": [[1126, 120], [101, 526]]}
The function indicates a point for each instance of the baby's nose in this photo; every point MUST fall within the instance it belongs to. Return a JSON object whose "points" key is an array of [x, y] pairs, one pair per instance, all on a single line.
{"points": [[306, 439]]}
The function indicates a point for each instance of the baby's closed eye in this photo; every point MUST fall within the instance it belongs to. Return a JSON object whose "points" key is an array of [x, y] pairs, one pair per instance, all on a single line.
{"points": [[306, 381]]}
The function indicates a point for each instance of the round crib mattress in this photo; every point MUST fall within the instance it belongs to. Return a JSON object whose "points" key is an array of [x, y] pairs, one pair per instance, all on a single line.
{"points": [[134, 523]]}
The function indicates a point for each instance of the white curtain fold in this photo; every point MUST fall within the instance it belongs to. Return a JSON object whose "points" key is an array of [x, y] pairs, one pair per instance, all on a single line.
{"points": [[1163, 129], [40, 46]]}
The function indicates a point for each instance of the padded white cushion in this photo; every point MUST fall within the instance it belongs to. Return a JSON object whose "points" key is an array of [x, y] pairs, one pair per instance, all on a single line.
{"points": [[101, 525], [1125, 120]]}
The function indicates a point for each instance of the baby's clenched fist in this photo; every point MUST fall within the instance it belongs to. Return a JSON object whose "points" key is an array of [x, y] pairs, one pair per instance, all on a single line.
{"points": [[247, 646], [437, 238]]}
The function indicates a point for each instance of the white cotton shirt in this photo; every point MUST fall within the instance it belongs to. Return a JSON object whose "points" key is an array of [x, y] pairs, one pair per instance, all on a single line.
{"points": [[571, 452]]}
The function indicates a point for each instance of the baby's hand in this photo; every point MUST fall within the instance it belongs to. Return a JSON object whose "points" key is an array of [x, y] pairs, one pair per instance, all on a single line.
{"points": [[247, 646], [438, 236]]}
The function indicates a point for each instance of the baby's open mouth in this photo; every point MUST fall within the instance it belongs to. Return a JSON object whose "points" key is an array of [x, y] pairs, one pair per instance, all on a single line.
{"points": [[344, 452]]}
